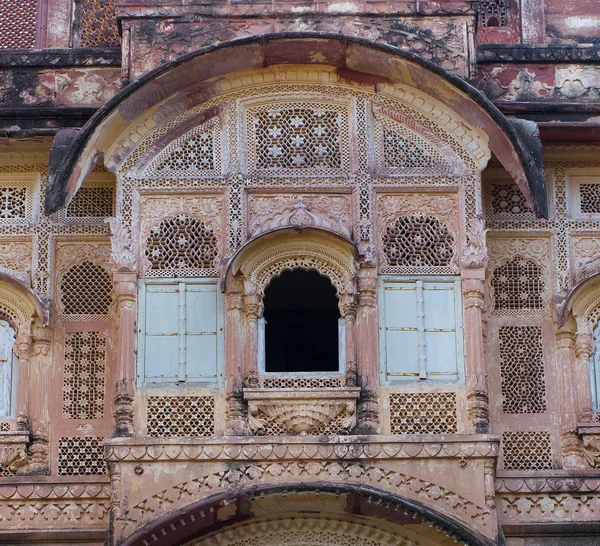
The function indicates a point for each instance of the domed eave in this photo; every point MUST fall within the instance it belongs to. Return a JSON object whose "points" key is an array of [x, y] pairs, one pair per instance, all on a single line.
{"points": [[157, 96]]}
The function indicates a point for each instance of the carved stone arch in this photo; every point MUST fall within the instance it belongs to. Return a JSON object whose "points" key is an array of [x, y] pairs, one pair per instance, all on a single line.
{"points": [[268, 255], [347, 514], [19, 305]]}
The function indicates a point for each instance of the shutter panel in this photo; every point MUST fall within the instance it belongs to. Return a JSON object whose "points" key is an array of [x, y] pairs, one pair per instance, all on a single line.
{"points": [[161, 347], [439, 303], [401, 336], [201, 332]]}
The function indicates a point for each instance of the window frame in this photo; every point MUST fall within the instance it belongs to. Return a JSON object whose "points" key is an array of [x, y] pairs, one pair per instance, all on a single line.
{"points": [[141, 333], [385, 280]]}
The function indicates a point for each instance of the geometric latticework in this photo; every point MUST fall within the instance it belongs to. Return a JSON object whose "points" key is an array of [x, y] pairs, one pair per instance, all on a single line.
{"points": [[526, 450], [417, 241], [518, 285], [194, 155], [589, 195], [84, 375], [182, 243], [522, 369], [86, 289], [13, 202], [81, 456], [300, 382], [177, 416], [92, 202], [18, 24], [298, 137], [493, 13], [507, 199], [95, 24], [402, 153], [423, 413]]}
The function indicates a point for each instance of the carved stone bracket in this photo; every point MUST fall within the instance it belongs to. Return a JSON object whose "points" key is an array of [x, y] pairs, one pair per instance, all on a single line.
{"points": [[590, 438], [298, 411], [13, 451]]}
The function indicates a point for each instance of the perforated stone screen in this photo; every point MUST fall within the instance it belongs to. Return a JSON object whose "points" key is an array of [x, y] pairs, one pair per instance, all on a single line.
{"points": [[194, 155], [423, 413], [493, 13], [13, 202], [522, 369], [417, 241], [301, 382], [183, 244], [589, 195], [526, 450], [518, 285], [177, 416], [86, 289], [504, 199], [84, 375], [81, 456], [92, 202], [18, 24], [95, 24], [291, 138]]}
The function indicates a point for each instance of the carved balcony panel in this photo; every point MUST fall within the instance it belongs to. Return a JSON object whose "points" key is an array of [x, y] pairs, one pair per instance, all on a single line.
{"points": [[304, 411]]}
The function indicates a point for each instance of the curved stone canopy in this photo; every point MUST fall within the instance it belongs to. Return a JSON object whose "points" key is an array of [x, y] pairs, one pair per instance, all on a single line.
{"points": [[188, 81], [301, 515]]}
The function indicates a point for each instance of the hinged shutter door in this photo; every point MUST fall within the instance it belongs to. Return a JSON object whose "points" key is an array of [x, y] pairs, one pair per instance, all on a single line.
{"points": [[162, 321], [401, 336], [440, 330], [201, 332]]}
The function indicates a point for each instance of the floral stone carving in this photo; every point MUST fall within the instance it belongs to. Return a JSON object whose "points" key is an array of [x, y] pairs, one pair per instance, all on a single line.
{"points": [[13, 451], [304, 412], [590, 438]]}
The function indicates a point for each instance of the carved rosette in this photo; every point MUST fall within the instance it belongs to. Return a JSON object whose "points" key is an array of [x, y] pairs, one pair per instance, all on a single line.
{"points": [[301, 411]]}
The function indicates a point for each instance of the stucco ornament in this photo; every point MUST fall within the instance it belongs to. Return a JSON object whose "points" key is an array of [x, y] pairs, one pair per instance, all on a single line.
{"points": [[474, 253], [123, 252]]}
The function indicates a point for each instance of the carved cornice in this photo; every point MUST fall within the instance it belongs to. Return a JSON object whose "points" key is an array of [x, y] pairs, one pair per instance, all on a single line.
{"points": [[33, 504], [53, 58], [527, 53], [301, 448], [548, 484]]}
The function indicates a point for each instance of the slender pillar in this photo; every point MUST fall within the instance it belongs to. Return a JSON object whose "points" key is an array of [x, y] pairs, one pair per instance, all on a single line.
{"points": [[23, 350], [584, 348], [367, 352], [473, 303], [572, 456], [125, 288], [253, 306], [36, 350], [234, 362]]}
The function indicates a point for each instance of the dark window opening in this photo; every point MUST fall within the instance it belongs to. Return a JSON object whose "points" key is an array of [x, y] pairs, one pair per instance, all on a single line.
{"points": [[301, 323]]}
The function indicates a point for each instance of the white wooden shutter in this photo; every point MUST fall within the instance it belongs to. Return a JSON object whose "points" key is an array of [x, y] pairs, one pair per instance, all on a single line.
{"points": [[401, 331], [421, 322], [161, 340], [439, 309], [201, 332]]}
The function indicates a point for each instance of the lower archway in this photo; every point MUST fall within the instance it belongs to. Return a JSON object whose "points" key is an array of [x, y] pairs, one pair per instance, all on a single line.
{"points": [[307, 515]]}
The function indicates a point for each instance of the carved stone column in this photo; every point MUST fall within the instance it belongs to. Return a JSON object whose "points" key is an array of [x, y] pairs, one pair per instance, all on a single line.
{"points": [[474, 303], [584, 348], [348, 310], [37, 350], [572, 455], [23, 351], [125, 288], [367, 352], [234, 361], [253, 307]]}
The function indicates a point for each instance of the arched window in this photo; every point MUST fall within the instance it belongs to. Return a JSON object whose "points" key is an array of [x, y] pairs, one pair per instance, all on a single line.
{"points": [[301, 326], [8, 370]]}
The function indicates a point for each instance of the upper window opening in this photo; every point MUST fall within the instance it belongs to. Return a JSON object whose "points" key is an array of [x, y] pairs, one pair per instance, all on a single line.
{"points": [[301, 317]]}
